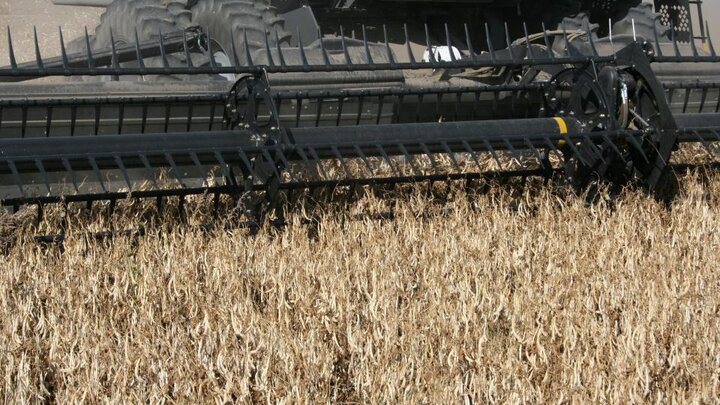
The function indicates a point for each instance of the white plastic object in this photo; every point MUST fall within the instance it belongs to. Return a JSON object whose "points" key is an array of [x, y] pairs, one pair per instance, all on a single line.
{"points": [[442, 54]]}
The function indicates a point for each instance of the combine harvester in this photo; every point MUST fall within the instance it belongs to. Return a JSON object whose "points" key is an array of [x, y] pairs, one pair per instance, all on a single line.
{"points": [[253, 101]]}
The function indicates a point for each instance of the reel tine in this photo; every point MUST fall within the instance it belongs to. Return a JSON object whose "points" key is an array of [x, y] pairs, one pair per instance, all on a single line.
{"points": [[281, 57], [343, 163], [493, 153], [471, 51], [410, 159], [430, 156], [149, 170], [311, 167], [706, 145], [385, 156], [513, 152], [98, 174], [174, 169], [138, 54], [366, 44], [390, 56], [365, 159], [508, 41], [428, 44], [535, 151], [634, 143], [530, 54], [301, 46], [69, 169], [119, 162], [716, 134], [472, 153], [16, 177], [451, 155], [213, 64], [11, 51], [200, 171], [38, 57], [658, 48], [658, 153], [547, 43], [408, 48], [593, 148], [575, 150], [271, 162], [552, 147], [268, 53], [246, 161], [614, 147], [286, 164], [449, 45], [163, 54], [343, 45], [63, 51], [229, 178], [673, 37], [186, 51], [490, 44], [318, 163], [43, 173]]}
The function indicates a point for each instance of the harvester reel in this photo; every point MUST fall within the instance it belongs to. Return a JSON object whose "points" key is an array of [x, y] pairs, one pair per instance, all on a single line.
{"points": [[243, 106], [642, 111], [243, 109], [611, 98], [352, 115], [576, 93]]}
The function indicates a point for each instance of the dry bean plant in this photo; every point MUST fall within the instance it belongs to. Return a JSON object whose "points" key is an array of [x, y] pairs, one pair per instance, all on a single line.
{"points": [[508, 296]]}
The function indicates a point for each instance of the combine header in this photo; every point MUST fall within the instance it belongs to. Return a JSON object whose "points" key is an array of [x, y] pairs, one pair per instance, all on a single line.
{"points": [[251, 101]]}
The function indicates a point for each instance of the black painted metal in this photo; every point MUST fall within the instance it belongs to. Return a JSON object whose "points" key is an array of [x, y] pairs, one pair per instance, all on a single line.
{"points": [[326, 55], [343, 114]]}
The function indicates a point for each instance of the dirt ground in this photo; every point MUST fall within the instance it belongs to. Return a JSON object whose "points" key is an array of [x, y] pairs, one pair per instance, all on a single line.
{"points": [[22, 15]]}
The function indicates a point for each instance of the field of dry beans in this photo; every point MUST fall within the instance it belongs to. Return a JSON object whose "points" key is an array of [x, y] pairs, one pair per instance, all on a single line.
{"points": [[509, 296]]}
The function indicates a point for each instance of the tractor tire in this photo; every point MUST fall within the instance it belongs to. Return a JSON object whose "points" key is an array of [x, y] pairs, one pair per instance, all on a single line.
{"points": [[148, 18], [228, 21], [79, 45], [123, 18], [180, 10], [647, 24]]}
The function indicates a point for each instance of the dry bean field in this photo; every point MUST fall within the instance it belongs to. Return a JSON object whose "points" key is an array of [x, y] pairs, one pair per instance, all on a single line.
{"points": [[515, 295]]}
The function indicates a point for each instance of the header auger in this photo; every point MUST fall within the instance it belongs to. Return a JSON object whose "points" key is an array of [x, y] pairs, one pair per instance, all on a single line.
{"points": [[174, 106]]}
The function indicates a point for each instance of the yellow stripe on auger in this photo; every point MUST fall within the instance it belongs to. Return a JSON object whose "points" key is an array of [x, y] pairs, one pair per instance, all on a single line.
{"points": [[563, 130], [563, 126]]}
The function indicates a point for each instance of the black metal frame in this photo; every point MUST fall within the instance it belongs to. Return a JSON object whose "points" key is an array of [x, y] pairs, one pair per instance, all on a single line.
{"points": [[283, 155], [277, 59]]}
